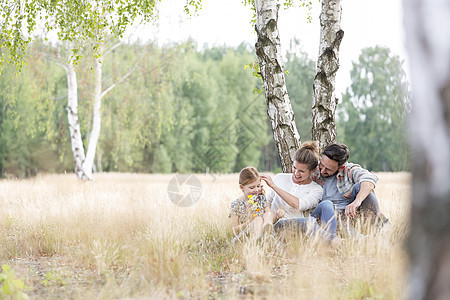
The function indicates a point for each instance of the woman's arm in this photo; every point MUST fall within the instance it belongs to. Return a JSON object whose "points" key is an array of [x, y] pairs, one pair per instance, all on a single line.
{"points": [[288, 198], [311, 199]]}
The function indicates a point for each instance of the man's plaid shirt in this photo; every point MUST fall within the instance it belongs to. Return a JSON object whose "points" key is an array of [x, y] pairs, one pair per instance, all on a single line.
{"points": [[348, 175]]}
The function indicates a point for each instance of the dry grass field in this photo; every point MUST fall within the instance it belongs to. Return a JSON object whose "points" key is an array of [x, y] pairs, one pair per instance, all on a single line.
{"points": [[121, 237]]}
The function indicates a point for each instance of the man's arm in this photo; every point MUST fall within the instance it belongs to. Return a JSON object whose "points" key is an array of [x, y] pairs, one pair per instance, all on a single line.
{"points": [[359, 174], [366, 188]]}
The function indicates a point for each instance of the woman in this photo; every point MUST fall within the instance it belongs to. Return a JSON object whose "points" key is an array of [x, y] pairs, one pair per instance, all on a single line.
{"points": [[296, 193]]}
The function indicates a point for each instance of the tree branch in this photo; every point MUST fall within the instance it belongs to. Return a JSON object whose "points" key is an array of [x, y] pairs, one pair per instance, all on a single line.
{"points": [[112, 86], [59, 62], [113, 48]]}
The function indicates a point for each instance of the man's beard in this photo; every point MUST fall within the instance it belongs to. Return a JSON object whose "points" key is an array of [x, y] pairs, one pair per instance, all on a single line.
{"points": [[330, 175]]}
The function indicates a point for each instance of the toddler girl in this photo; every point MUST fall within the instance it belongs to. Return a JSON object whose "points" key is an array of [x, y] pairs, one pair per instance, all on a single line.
{"points": [[251, 212]]}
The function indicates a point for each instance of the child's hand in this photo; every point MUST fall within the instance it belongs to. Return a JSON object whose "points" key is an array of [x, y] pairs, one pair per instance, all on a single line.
{"points": [[251, 215], [280, 213], [263, 192]]}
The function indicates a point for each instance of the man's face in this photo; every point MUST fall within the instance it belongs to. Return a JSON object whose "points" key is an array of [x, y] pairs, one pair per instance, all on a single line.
{"points": [[327, 166]]}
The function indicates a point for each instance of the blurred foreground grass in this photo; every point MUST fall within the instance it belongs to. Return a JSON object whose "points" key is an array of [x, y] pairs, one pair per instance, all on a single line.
{"points": [[122, 237]]}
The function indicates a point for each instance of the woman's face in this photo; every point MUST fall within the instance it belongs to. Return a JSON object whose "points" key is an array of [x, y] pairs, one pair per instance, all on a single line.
{"points": [[301, 173], [252, 188]]}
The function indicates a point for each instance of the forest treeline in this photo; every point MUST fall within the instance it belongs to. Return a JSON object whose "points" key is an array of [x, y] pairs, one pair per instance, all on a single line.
{"points": [[185, 109]]}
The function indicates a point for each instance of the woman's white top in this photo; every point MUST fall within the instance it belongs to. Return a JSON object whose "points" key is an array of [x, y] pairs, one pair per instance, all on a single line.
{"points": [[309, 196]]}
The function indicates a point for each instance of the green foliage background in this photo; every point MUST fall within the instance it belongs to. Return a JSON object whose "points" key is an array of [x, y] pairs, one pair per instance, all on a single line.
{"points": [[186, 109], [373, 114]]}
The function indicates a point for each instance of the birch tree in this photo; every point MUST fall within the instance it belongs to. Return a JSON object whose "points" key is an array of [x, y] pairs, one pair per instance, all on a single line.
{"points": [[427, 25], [76, 23], [324, 100], [72, 118], [84, 160], [279, 107], [99, 93]]}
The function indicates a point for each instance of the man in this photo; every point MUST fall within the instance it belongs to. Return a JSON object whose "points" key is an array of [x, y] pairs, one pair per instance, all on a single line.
{"points": [[347, 185]]}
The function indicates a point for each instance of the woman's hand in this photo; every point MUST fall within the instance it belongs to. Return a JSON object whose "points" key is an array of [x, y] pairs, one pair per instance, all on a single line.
{"points": [[267, 179]]}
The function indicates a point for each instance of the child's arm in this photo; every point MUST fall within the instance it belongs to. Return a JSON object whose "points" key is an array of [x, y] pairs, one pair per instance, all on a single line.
{"points": [[236, 227]]}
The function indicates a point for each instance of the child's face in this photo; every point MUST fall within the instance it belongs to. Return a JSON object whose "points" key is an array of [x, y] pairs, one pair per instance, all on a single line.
{"points": [[252, 188]]}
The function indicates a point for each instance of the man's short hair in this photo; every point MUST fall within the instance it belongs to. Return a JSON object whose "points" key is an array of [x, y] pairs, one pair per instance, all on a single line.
{"points": [[337, 152]]}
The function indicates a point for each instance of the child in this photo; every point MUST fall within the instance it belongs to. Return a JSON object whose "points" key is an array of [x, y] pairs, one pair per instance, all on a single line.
{"points": [[251, 212]]}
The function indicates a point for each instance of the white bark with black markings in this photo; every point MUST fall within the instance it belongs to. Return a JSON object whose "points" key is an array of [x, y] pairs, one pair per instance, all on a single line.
{"points": [[84, 163], [72, 119], [324, 99], [279, 107], [96, 118]]}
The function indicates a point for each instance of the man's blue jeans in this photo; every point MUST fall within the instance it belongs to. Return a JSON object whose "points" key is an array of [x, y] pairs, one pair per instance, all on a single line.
{"points": [[323, 214]]}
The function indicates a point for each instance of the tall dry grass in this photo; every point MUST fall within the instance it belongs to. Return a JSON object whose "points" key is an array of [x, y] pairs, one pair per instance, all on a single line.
{"points": [[122, 237]]}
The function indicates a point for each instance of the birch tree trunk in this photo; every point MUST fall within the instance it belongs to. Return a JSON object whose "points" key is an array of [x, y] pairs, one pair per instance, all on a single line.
{"points": [[96, 119], [427, 25], [279, 107], [84, 164], [74, 123], [324, 100]]}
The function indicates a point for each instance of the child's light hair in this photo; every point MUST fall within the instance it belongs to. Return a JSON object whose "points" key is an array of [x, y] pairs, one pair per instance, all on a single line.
{"points": [[247, 175]]}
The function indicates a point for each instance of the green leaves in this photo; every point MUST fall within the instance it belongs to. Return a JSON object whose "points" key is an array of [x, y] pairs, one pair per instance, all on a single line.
{"points": [[11, 287], [75, 21], [196, 5], [12, 37], [254, 67]]}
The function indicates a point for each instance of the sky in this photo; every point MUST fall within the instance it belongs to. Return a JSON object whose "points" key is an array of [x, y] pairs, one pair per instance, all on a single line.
{"points": [[366, 23]]}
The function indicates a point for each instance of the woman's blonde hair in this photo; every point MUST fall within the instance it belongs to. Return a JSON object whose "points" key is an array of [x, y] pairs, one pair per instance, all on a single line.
{"points": [[308, 154]]}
